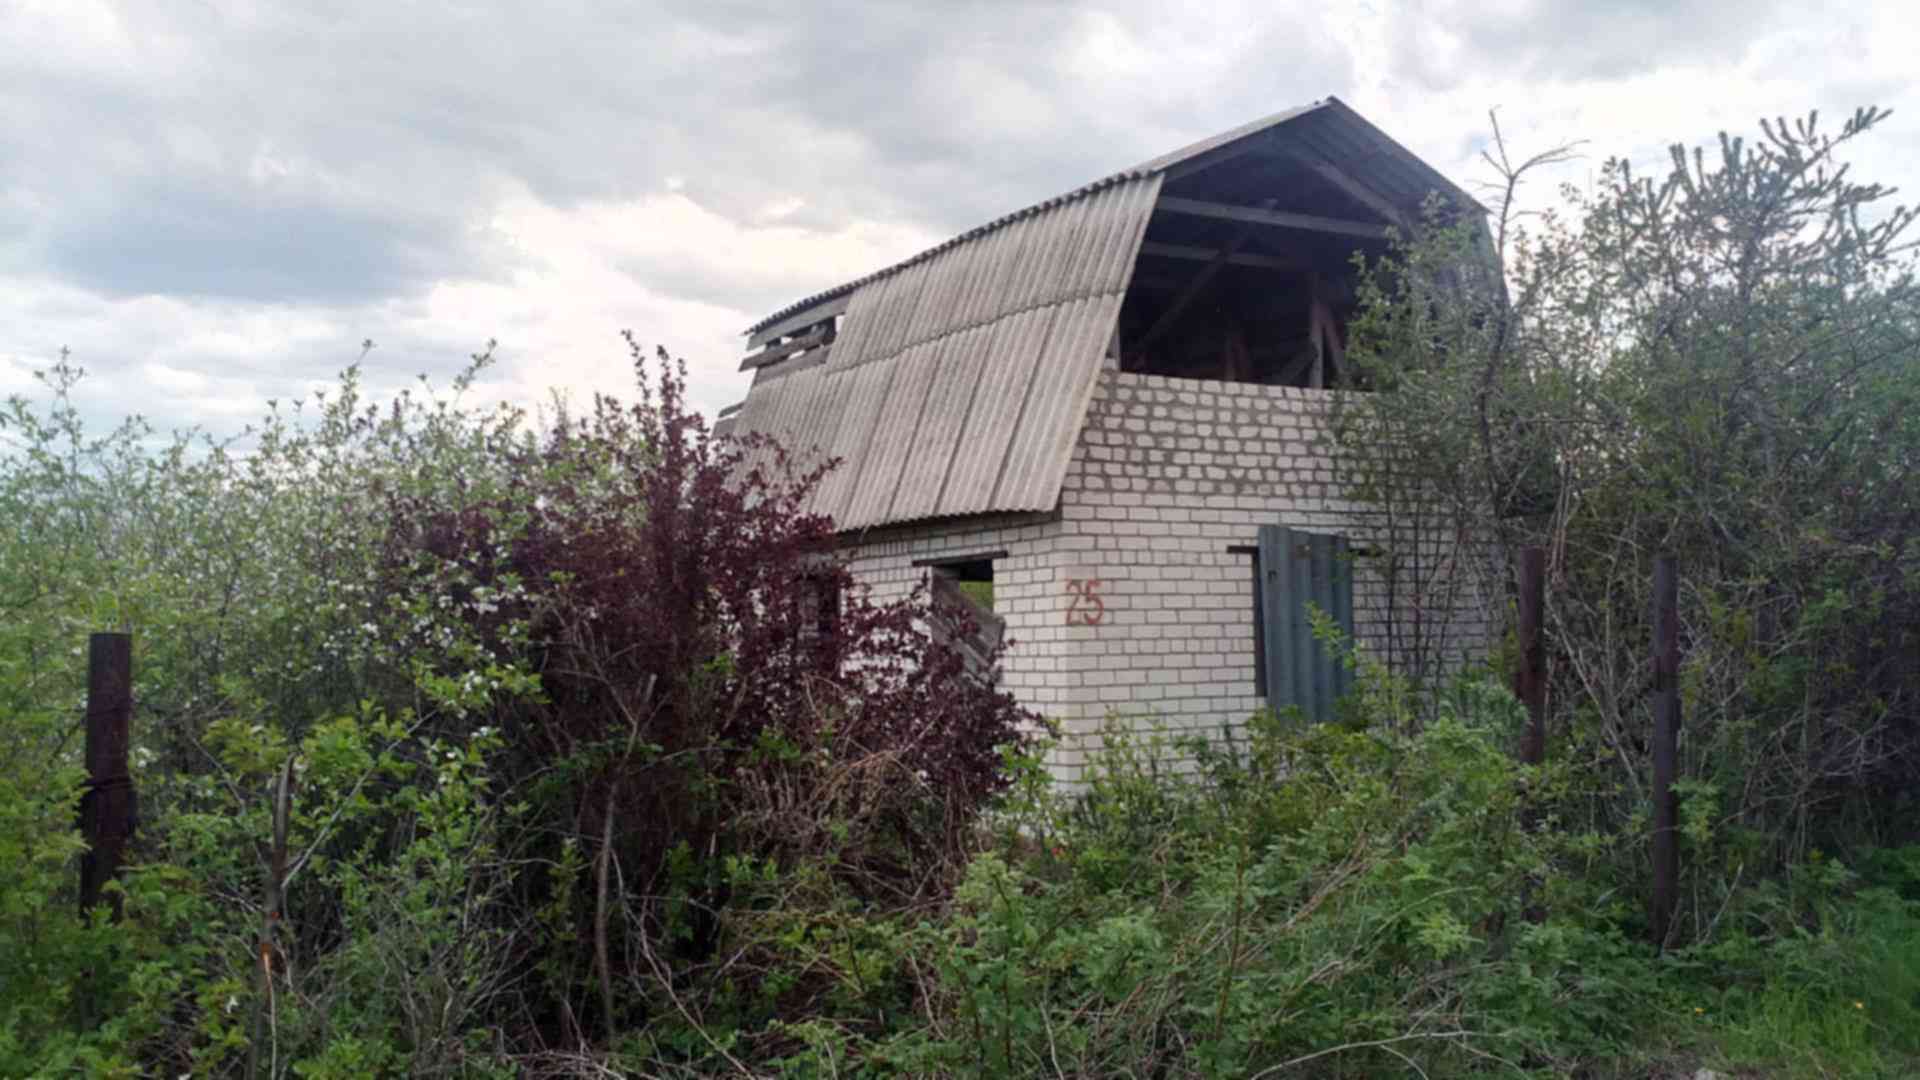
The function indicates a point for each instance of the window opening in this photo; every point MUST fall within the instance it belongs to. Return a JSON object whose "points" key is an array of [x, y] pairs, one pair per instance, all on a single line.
{"points": [[963, 593]]}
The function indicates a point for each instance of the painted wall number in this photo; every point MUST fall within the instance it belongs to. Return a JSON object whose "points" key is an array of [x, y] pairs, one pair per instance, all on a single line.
{"points": [[1086, 608]]}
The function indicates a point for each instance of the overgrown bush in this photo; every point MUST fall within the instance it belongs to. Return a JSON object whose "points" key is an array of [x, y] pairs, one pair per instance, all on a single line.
{"points": [[1339, 900], [718, 704], [550, 703], [593, 761], [1718, 362], [244, 570], [1335, 900]]}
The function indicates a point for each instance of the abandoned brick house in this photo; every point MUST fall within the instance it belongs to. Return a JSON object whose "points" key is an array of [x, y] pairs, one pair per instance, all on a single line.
{"points": [[1107, 410]]}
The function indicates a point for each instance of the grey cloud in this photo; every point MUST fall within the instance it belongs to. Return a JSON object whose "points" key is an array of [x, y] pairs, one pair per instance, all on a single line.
{"points": [[337, 164], [946, 104], [407, 123], [126, 349], [183, 238], [712, 282], [1572, 40]]}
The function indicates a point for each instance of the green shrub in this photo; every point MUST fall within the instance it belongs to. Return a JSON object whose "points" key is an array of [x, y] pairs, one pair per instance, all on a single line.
{"points": [[1349, 898]]}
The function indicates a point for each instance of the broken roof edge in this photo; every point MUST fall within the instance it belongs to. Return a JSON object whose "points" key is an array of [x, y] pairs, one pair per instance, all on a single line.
{"points": [[1147, 168]]}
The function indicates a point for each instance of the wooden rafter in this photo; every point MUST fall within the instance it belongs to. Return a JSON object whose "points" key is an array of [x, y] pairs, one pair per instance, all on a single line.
{"points": [[1197, 253], [1324, 332], [1266, 215], [1354, 189]]}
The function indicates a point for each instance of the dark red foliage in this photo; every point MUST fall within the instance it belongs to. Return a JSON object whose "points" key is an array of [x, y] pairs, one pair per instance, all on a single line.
{"points": [[697, 639]]}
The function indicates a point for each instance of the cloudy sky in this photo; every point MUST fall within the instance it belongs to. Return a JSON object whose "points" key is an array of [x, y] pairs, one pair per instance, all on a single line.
{"points": [[213, 202]]}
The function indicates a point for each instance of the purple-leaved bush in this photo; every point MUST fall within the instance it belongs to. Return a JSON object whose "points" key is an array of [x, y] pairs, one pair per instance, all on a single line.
{"points": [[713, 682]]}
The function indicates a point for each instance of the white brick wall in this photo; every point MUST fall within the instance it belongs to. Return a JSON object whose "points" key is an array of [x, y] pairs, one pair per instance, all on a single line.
{"points": [[1167, 475]]}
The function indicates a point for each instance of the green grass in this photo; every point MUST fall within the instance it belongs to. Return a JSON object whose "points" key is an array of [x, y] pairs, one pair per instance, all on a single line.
{"points": [[980, 592]]}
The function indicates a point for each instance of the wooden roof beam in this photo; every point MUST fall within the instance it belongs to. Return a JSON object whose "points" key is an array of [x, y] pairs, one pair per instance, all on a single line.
{"points": [[1279, 219], [1196, 253], [1353, 188], [810, 359], [773, 354]]}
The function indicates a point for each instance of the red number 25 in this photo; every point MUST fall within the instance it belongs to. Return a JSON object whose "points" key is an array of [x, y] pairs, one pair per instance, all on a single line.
{"points": [[1086, 607]]}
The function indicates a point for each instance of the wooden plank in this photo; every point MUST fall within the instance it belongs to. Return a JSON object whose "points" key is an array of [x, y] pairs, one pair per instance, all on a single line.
{"points": [[775, 353], [1197, 253], [955, 560], [812, 358], [1323, 330], [1316, 342], [1281, 219], [953, 607], [107, 805], [1666, 755], [800, 320]]}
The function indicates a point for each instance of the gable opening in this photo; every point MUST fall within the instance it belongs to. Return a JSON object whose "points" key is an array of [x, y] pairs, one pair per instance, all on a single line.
{"points": [[1246, 272], [1247, 324]]}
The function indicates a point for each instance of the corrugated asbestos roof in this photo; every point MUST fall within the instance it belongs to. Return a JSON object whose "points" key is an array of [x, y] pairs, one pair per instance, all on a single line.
{"points": [[960, 377], [958, 383]]}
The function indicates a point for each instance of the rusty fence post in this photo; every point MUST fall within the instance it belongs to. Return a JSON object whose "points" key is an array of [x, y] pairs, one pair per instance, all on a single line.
{"points": [[1666, 738], [107, 804], [1530, 676]]}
